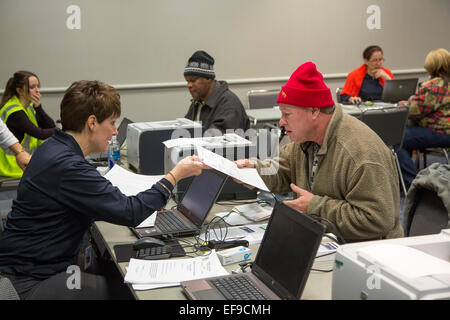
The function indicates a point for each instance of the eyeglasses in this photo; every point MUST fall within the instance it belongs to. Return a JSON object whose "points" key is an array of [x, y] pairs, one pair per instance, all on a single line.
{"points": [[377, 60]]}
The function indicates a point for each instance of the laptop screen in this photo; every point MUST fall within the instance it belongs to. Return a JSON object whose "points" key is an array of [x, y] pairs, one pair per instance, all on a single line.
{"points": [[122, 131], [291, 237], [201, 195], [398, 89]]}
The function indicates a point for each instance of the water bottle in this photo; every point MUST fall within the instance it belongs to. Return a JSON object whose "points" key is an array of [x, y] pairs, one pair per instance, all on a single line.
{"points": [[113, 152]]}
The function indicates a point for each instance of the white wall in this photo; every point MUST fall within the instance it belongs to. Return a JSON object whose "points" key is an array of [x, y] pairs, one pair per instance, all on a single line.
{"points": [[256, 43]]}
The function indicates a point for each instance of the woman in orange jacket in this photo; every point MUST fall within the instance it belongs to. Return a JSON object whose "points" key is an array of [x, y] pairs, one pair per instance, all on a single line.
{"points": [[366, 83]]}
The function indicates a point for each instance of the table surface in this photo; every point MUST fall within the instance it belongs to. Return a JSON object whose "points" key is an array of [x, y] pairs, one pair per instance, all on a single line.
{"points": [[318, 286]]}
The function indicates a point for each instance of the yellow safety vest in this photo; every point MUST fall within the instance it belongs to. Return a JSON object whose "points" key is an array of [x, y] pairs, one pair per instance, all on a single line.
{"points": [[8, 163]]}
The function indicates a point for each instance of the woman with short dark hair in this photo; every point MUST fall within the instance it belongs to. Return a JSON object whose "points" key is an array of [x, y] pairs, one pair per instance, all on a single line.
{"points": [[61, 194]]}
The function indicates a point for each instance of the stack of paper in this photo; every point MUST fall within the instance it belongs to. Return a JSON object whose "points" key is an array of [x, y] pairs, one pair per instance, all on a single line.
{"points": [[254, 211], [152, 274]]}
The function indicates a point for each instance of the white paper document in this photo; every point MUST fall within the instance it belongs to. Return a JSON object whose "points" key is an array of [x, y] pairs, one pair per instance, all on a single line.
{"points": [[254, 211], [233, 218], [130, 183], [253, 233], [246, 175], [407, 261], [149, 222], [170, 272]]}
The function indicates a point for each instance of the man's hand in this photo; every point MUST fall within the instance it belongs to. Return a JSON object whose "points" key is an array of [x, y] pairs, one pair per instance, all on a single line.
{"points": [[302, 202], [244, 163]]}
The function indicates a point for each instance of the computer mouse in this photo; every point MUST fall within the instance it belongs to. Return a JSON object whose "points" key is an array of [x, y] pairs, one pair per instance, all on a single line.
{"points": [[148, 242]]}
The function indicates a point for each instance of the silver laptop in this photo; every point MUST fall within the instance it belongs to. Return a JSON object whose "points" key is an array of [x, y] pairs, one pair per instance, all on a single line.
{"points": [[187, 219], [282, 265], [398, 89]]}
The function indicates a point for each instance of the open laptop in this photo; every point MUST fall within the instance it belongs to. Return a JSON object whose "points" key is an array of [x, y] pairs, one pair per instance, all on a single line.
{"points": [[282, 265], [122, 131], [398, 89], [121, 137], [188, 217]]}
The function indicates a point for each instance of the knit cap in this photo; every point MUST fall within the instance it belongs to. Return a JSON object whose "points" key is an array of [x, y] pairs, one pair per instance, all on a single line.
{"points": [[200, 64], [305, 88]]}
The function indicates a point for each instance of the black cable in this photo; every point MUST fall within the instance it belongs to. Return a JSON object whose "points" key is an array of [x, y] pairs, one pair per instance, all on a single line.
{"points": [[320, 270]]}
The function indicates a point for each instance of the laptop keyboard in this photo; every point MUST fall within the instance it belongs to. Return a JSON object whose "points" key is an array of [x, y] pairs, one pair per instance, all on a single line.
{"points": [[169, 222], [237, 288]]}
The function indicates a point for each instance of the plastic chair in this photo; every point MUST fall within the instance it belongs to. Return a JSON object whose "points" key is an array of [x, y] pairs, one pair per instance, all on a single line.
{"points": [[440, 151], [427, 204], [338, 95], [427, 215], [259, 99], [389, 123]]}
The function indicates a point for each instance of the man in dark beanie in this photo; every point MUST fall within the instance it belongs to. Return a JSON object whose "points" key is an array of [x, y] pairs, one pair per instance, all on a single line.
{"points": [[339, 169], [212, 102]]}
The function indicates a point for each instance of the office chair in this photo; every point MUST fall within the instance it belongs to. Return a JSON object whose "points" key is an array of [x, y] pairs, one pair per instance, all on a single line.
{"points": [[259, 99], [438, 151], [428, 214], [7, 290], [389, 123], [338, 95]]}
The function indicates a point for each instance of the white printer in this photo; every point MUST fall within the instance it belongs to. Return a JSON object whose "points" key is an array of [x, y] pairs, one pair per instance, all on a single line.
{"points": [[145, 150], [405, 268]]}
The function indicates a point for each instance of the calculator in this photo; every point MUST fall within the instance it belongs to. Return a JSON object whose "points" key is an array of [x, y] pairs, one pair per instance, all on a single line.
{"points": [[155, 253]]}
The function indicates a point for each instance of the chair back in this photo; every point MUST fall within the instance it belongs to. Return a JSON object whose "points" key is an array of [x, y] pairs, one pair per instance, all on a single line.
{"points": [[259, 99], [388, 122], [338, 95], [7, 290], [428, 214]]}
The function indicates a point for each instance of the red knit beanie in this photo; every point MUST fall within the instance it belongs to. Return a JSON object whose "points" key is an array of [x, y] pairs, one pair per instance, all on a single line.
{"points": [[305, 88]]}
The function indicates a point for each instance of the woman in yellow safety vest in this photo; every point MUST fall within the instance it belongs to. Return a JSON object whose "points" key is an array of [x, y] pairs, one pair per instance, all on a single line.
{"points": [[22, 112]]}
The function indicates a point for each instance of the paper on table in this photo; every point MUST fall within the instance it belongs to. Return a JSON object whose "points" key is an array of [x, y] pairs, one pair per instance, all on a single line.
{"points": [[140, 287], [247, 175], [173, 271], [255, 211], [233, 218], [253, 233], [407, 261], [130, 183]]}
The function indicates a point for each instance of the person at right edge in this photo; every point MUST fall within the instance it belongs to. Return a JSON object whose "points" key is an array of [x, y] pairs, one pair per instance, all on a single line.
{"points": [[429, 113], [216, 106], [340, 171]]}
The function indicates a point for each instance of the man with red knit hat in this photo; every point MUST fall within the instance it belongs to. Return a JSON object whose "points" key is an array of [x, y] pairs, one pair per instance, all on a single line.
{"points": [[339, 169]]}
